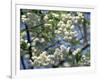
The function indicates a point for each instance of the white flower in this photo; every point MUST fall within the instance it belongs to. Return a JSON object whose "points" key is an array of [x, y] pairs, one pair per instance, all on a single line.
{"points": [[33, 43], [73, 18], [80, 14], [31, 62], [76, 51], [25, 41], [83, 57], [66, 33], [34, 49], [46, 25], [36, 39], [64, 16], [77, 18], [51, 56], [28, 44], [60, 29], [44, 53], [68, 26], [60, 23], [51, 20], [69, 16], [29, 13], [70, 38], [24, 19], [62, 47], [63, 26], [82, 20], [46, 17], [58, 32], [65, 30], [23, 16], [72, 27], [42, 40], [68, 49], [69, 22], [76, 21], [33, 54], [57, 52], [63, 19], [65, 37], [55, 15], [39, 58]]}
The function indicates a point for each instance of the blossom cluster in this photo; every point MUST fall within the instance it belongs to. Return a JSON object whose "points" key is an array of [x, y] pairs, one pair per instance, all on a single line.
{"points": [[53, 24], [45, 59]]}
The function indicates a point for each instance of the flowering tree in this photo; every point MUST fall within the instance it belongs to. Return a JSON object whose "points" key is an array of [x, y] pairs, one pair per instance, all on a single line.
{"points": [[52, 39]]}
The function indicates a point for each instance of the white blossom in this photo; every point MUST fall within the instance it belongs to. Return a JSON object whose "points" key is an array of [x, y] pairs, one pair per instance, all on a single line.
{"points": [[34, 49], [83, 57], [66, 33], [34, 57], [60, 23], [68, 49], [51, 56], [63, 25], [25, 41], [36, 39], [69, 22], [46, 17], [77, 18], [44, 53], [72, 27], [58, 32], [68, 26], [64, 30], [33, 43], [47, 24], [70, 38], [28, 44], [76, 21], [50, 20], [69, 16], [80, 14], [62, 47], [55, 15], [29, 13], [76, 51], [60, 29], [23, 16], [42, 40], [66, 37]]}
